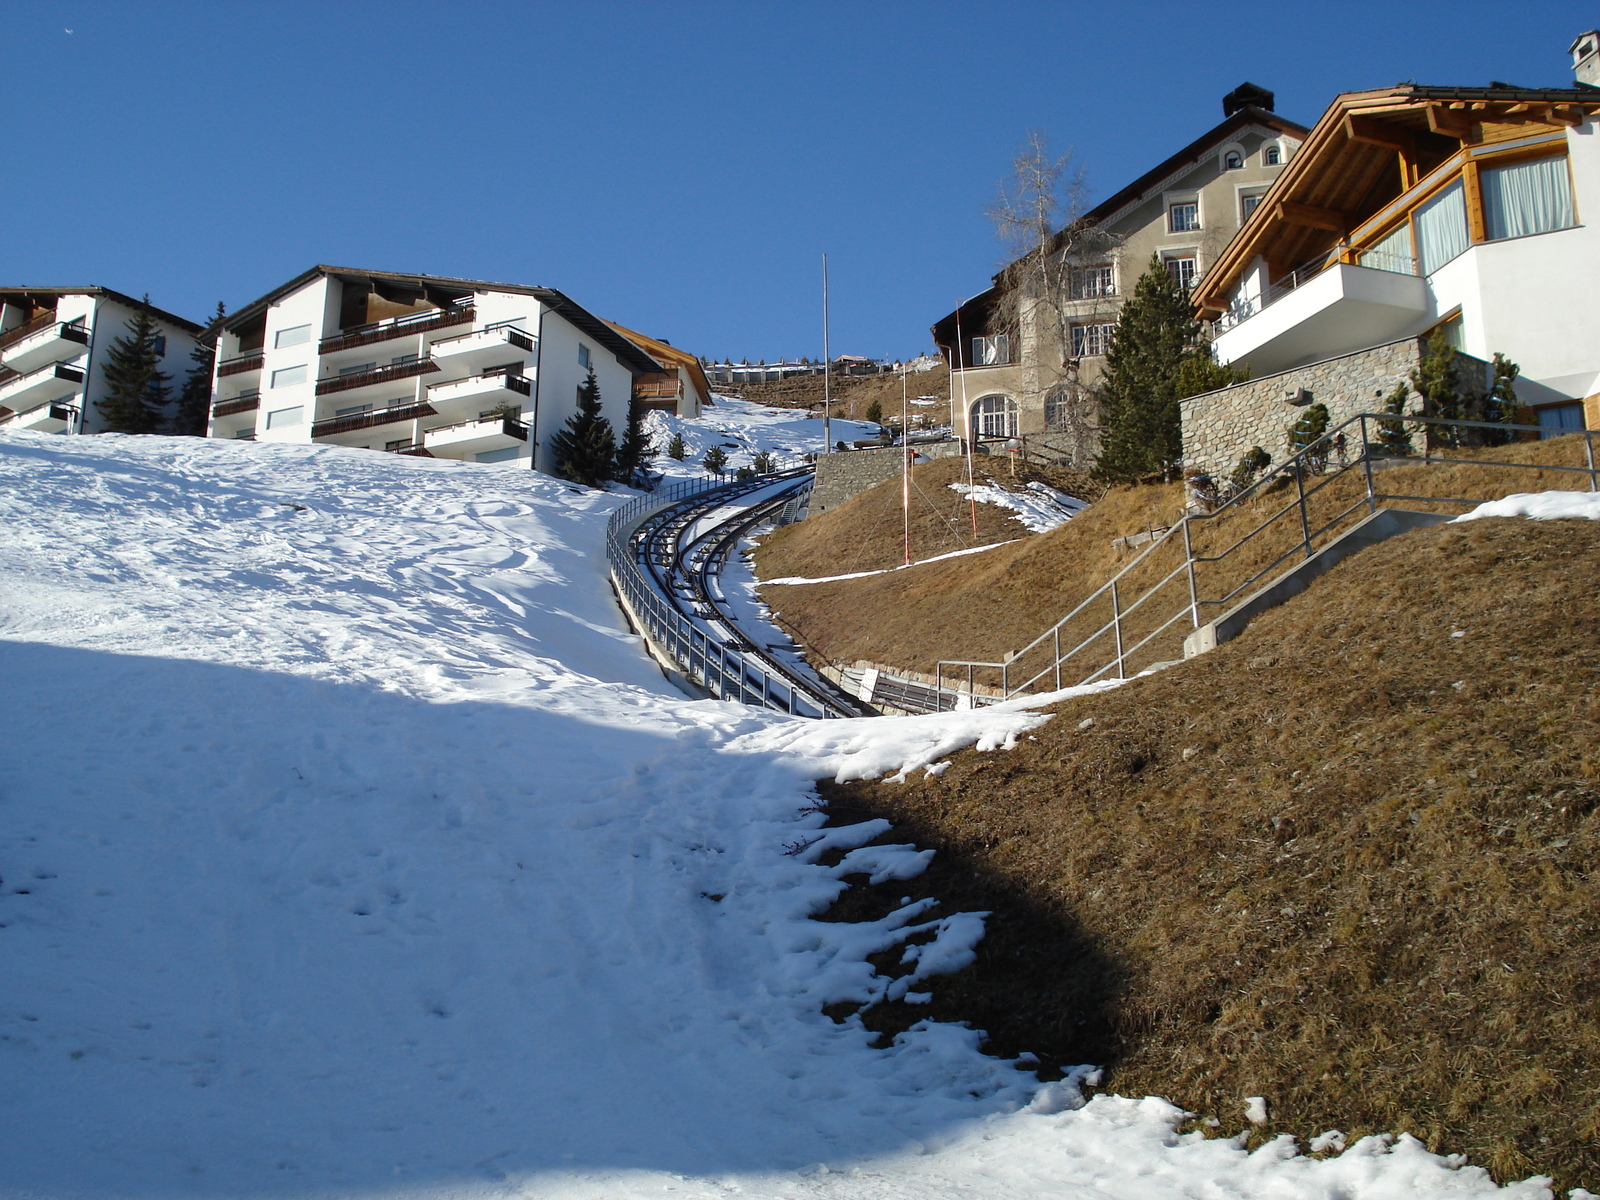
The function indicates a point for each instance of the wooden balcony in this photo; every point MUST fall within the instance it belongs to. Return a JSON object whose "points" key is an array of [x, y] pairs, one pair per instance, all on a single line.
{"points": [[388, 374], [239, 404], [241, 364], [371, 420], [12, 336], [383, 331]]}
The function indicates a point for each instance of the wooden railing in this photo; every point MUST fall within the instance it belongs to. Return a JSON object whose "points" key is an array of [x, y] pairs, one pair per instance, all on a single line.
{"points": [[405, 370], [670, 387], [383, 331], [369, 420], [239, 404], [241, 364], [12, 337]]}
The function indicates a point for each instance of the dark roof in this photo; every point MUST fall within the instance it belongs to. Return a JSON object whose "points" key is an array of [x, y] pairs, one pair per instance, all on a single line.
{"points": [[573, 312], [1215, 136], [1497, 91], [23, 290]]}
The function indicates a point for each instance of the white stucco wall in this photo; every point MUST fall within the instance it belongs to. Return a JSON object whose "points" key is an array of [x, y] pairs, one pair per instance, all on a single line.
{"points": [[308, 305], [108, 320]]}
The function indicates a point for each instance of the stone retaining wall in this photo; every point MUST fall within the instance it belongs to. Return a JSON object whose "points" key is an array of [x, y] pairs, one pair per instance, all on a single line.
{"points": [[843, 474], [1219, 427]]}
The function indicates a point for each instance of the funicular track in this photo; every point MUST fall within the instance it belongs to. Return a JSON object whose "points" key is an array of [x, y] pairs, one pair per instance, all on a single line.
{"points": [[667, 552]]}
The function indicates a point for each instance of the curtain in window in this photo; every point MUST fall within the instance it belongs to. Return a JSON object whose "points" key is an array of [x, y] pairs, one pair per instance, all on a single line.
{"points": [[1393, 253], [1530, 197], [1442, 228]]}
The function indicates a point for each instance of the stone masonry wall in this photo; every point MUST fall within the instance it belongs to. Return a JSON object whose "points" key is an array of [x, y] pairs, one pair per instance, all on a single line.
{"points": [[842, 475], [1219, 427]]}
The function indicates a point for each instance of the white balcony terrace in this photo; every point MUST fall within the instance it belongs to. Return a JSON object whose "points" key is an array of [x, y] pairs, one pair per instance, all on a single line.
{"points": [[54, 381], [493, 344], [43, 341], [1321, 312], [467, 438], [471, 396], [47, 418]]}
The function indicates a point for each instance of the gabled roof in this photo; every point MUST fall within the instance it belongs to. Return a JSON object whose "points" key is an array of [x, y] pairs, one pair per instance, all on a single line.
{"points": [[570, 310], [669, 355], [1151, 181], [24, 291], [1341, 173]]}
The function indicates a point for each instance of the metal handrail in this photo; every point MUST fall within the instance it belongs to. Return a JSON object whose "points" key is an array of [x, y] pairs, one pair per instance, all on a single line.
{"points": [[1307, 462], [724, 670], [382, 331]]}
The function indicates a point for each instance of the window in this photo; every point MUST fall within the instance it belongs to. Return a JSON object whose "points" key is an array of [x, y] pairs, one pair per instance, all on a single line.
{"points": [[1271, 156], [353, 410], [1248, 205], [583, 357], [292, 337], [1566, 418], [1233, 161], [398, 444], [991, 351], [994, 417], [1089, 283], [159, 345], [289, 375], [1454, 330], [1056, 410], [1442, 228], [247, 435], [1089, 340], [1182, 271], [1182, 218], [1527, 197], [506, 454], [358, 369], [281, 417]]}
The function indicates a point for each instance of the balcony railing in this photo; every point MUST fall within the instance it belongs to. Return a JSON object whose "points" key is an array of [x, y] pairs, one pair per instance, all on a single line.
{"points": [[409, 411], [667, 387], [12, 337], [520, 384], [509, 426], [514, 335], [388, 374], [14, 382], [383, 331], [241, 364], [247, 402], [1374, 260]]}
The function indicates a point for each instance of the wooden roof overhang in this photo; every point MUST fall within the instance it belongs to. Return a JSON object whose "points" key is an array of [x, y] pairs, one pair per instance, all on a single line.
{"points": [[1366, 150]]}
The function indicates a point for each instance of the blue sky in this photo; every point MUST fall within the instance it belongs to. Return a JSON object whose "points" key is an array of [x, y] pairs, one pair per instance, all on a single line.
{"points": [[680, 168]]}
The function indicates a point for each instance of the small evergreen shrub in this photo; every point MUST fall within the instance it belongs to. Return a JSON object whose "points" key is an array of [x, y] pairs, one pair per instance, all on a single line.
{"points": [[716, 458], [676, 449]]}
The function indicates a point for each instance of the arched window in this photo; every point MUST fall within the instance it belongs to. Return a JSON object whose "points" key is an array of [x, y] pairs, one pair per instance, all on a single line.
{"points": [[1232, 161], [993, 418], [1271, 156]]}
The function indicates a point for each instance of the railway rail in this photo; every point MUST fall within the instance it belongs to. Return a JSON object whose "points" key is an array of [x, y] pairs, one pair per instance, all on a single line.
{"points": [[667, 552]]}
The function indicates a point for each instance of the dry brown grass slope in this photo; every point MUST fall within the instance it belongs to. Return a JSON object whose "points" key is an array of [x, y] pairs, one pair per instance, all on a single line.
{"points": [[1347, 862], [990, 604]]}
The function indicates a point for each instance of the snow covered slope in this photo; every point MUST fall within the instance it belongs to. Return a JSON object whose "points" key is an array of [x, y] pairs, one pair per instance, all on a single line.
{"points": [[351, 847]]}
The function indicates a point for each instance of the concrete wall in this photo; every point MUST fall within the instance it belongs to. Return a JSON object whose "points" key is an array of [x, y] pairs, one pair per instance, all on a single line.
{"points": [[842, 475], [1219, 427], [108, 320]]}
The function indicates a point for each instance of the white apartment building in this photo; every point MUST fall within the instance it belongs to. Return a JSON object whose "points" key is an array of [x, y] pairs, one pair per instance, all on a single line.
{"points": [[53, 345], [416, 364]]}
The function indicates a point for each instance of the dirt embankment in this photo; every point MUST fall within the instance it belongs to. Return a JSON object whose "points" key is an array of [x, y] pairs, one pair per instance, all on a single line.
{"points": [[984, 606], [1347, 862]]}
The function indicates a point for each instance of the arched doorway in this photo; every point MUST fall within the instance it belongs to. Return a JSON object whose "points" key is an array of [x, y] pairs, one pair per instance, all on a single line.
{"points": [[994, 418]]}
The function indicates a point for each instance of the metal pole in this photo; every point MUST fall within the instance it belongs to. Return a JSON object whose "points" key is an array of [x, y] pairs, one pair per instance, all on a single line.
{"points": [[1366, 463], [1116, 625], [827, 366], [1588, 453], [1300, 487], [1188, 559], [1057, 632]]}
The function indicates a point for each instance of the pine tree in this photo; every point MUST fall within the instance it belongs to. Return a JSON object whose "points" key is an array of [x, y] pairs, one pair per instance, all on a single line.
{"points": [[137, 389], [1504, 391], [1307, 432], [194, 398], [875, 413], [1392, 436], [763, 463], [716, 458], [676, 449], [1141, 432], [586, 450], [1251, 463], [633, 455], [1437, 380]]}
